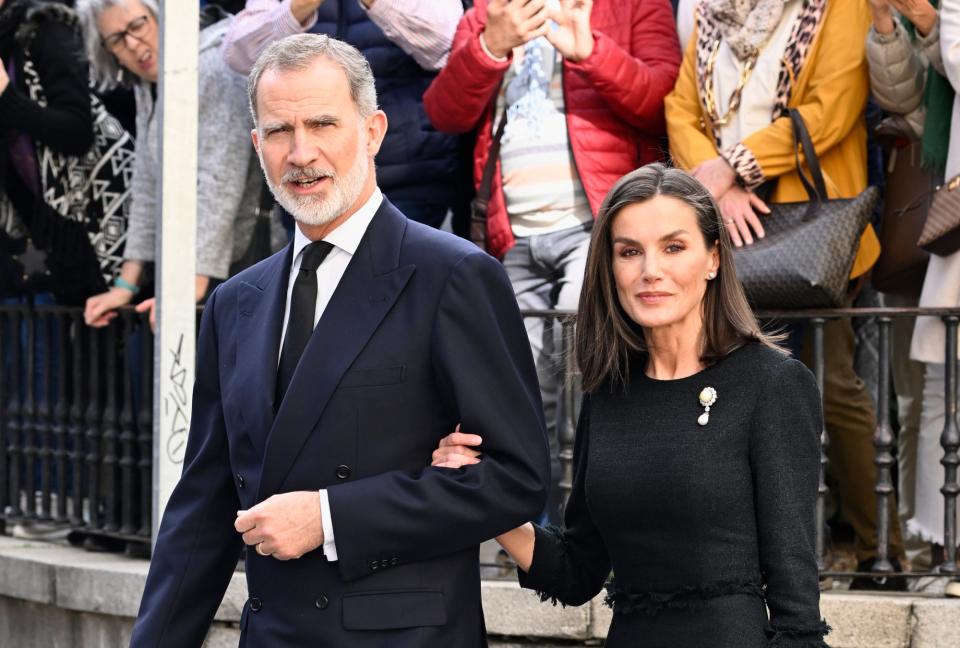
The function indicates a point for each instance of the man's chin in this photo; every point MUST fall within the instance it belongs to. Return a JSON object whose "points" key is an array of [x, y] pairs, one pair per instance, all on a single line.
{"points": [[309, 214]]}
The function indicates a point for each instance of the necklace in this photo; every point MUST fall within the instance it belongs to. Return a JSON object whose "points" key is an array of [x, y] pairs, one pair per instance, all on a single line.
{"points": [[709, 96]]}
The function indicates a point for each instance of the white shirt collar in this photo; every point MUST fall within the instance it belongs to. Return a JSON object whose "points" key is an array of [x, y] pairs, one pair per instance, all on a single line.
{"points": [[347, 235]]}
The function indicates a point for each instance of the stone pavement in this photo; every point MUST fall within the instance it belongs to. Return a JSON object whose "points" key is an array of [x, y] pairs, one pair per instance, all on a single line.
{"points": [[56, 595]]}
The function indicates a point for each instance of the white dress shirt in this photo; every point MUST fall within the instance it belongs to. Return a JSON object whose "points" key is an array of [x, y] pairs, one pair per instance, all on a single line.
{"points": [[345, 240]]}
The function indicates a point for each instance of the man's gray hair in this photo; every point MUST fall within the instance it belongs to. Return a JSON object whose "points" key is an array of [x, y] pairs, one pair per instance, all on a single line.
{"points": [[298, 52], [104, 67]]}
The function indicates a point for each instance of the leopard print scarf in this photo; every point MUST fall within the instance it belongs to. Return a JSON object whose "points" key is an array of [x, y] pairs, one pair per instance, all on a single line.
{"points": [[746, 24]]}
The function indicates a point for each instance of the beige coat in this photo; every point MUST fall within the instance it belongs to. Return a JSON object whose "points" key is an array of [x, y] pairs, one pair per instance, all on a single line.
{"points": [[898, 68], [941, 286]]}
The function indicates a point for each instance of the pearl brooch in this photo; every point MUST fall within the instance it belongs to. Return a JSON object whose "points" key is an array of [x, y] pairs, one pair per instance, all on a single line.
{"points": [[708, 396]]}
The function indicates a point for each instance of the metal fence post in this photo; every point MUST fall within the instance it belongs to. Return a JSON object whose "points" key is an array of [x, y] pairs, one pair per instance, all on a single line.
{"points": [[950, 440], [883, 442], [818, 372], [567, 427]]}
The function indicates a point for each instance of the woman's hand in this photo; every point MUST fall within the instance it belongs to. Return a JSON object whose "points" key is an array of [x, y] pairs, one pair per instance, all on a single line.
{"points": [[921, 13], [456, 450], [739, 208], [572, 37], [4, 79], [151, 306], [102, 308], [716, 175]]}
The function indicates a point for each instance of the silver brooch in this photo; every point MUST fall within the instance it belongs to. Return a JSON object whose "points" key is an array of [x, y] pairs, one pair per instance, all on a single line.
{"points": [[707, 398]]}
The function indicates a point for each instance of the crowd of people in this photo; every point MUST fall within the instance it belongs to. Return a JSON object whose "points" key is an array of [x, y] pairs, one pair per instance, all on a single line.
{"points": [[540, 105]]}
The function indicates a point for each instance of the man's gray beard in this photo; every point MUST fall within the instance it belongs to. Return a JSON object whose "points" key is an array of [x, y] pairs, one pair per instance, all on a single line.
{"points": [[322, 209]]}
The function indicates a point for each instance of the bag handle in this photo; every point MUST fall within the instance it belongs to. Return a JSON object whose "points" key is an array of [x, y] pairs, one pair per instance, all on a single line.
{"points": [[486, 181], [817, 188]]}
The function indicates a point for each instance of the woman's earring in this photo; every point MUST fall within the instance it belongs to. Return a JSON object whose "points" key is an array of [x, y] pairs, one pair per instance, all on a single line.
{"points": [[711, 275]]}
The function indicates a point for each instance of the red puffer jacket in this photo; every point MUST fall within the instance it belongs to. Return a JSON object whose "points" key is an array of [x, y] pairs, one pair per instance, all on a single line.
{"points": [[614, 98]]}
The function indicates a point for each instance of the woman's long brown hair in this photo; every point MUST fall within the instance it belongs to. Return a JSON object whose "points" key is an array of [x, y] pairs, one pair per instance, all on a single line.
{"points": [[606, 336]]}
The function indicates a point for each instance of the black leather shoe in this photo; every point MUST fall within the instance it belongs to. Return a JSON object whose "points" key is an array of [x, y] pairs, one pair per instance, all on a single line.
{"points": [[885, 583]]}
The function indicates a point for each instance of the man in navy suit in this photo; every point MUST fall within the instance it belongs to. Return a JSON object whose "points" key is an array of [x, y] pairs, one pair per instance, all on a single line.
{"points": [[326, 375]]}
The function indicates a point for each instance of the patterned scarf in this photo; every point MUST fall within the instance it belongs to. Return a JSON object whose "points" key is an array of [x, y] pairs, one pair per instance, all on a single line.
{"points": [[528, 94], [746, 24]]}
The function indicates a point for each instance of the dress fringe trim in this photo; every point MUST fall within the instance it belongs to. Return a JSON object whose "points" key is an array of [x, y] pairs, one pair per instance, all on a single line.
{"points": [[627, 599]]}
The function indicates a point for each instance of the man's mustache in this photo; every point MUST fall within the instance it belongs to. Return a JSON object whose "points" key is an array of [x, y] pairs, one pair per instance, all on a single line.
{"points": [[307, 173]]}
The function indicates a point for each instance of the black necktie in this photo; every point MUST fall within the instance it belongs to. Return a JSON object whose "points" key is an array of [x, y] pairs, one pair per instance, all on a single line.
{"points": [[303, 307]]}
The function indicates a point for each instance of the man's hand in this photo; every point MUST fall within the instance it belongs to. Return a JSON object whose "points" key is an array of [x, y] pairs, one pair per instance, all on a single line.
{"points": [[572, 37], [737, 207], [716, 175], [284, 526], [303, 9], [4, 79], [511, 23]]}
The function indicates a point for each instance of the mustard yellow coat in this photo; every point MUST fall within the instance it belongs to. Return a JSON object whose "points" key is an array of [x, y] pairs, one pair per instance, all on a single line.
{"points": [[830, 92]]}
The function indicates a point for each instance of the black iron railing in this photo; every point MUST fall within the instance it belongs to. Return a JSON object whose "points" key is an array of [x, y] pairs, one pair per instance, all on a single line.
{"points": [[76, 425]]}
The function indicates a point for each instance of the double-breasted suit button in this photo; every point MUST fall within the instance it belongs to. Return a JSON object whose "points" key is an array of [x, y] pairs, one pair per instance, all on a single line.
{"points": [[394, 561], [343, 471], [255, 604], [322, 602], [374, 565], [384, 563], [240, 481]]}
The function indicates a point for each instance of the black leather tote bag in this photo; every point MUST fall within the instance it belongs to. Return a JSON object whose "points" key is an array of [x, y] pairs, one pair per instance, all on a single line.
{"points": [[804, 261]]}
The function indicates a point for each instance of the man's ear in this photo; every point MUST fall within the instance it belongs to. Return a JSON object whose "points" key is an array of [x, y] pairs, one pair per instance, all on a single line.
{"points": [[376, 129], [255, 136]]}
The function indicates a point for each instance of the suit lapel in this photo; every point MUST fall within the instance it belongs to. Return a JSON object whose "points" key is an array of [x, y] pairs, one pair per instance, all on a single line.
{"points": [[260, 319], [367, 291]]}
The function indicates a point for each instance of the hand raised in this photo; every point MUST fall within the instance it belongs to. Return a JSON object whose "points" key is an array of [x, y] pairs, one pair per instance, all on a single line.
{"points": [[513, 23], [572, 37]]}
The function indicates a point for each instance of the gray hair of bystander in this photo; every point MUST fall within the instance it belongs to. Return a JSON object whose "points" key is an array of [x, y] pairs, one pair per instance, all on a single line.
{"points": [[300, 51], [104, 67]]}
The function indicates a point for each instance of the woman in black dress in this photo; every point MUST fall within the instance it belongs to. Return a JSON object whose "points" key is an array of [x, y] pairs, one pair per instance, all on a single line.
{"points": [[697, 452]]}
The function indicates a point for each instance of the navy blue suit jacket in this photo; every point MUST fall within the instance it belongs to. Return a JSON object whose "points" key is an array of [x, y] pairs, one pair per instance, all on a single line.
{"points": [[422, 333]]}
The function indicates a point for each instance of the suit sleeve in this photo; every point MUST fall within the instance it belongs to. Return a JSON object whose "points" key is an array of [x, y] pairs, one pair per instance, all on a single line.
{"points": [[486, 375], [197, 547]]}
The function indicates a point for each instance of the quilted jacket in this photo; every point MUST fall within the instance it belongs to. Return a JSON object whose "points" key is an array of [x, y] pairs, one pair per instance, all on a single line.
{"points": [[614, 98], [898, 69]]}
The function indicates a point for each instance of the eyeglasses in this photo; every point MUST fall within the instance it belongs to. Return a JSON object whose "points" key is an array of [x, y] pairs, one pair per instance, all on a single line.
{"points": [[137, 28]]}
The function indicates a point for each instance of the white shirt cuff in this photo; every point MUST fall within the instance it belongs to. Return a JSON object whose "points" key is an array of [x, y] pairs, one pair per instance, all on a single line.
{"points": [[329, 547]]}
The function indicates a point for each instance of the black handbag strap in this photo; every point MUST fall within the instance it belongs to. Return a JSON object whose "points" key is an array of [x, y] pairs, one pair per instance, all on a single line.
{"points": [[817, 189], [486, 181]]}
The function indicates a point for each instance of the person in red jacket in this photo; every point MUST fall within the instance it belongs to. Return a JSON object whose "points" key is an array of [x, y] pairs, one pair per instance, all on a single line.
{"points": [[580, 85]]}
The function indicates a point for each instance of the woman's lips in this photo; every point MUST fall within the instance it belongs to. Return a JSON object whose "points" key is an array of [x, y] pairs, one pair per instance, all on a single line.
{"points": [[653, 297]]}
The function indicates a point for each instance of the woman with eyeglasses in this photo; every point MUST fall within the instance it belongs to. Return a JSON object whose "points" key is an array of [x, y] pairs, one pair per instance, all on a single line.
{"points": [[122, 40]]}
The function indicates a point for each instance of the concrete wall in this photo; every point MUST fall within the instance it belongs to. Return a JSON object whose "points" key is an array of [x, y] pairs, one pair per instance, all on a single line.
{"points": [[57, 596]]}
